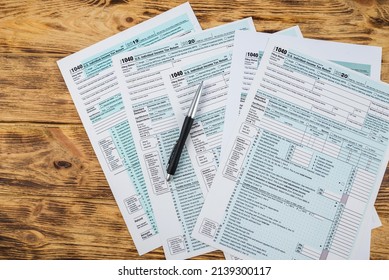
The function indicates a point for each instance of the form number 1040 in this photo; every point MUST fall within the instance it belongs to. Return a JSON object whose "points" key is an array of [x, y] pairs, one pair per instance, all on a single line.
{"points": [[281, 50]]}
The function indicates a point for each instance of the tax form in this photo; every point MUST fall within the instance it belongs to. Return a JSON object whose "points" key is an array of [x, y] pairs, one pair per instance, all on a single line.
{"points": [[304, 164], [154, 127], [248, 50], [93, 86]]}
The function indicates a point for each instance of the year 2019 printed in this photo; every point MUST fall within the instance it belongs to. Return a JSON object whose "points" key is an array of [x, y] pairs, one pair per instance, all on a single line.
{"points": [[240, 270]]}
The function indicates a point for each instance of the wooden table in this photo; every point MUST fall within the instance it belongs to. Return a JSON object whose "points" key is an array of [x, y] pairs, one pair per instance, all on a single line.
{"points": [[55, 202]]}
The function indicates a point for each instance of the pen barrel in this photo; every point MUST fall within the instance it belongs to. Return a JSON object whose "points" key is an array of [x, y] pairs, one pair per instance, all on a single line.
{"points": [[177, 150]]}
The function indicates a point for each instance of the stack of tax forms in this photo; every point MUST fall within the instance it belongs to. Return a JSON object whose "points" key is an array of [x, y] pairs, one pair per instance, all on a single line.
{"points": [[286, 154]]}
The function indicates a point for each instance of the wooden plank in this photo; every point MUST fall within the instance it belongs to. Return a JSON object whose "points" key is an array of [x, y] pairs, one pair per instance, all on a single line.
{"points": [[33, 90], [64, 27], [39, 228], [63, 228], [380, 239], [49, 161]]}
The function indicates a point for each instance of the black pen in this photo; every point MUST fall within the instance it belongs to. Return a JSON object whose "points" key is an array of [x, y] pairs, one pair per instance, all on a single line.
{"points": [[177, 150]]}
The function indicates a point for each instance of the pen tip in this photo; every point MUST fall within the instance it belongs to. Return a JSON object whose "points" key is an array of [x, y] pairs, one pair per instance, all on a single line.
{"points": [[168, 177]]}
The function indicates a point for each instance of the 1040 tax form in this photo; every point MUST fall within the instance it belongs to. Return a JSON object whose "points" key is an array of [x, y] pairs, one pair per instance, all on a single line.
{"points": [[248, 51], [304, 164], [176, 203], [94, 88]]}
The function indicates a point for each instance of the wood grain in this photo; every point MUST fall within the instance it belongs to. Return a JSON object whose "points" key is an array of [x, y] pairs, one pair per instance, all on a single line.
{"points": [[54, 200]]}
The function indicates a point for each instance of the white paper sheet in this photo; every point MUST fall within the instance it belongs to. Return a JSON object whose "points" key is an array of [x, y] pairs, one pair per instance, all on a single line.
{"points": [[176, 203], [305, 163], [93, 86], [248, 50]]}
